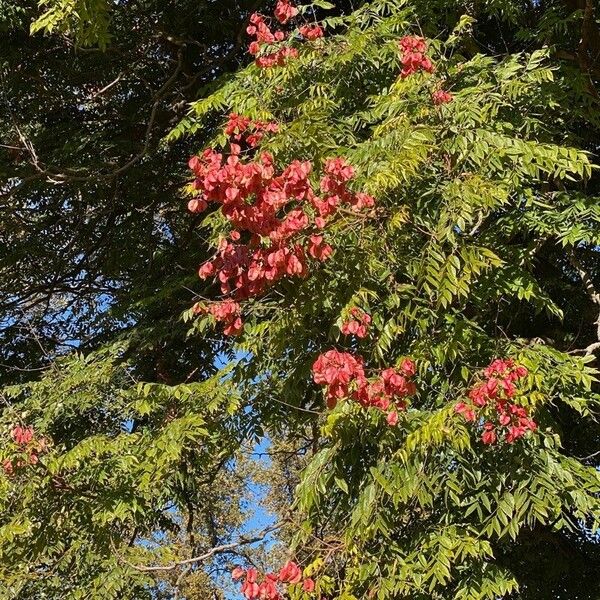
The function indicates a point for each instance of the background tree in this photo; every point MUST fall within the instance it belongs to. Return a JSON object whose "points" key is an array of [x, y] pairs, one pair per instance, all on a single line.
{"points": [[97, 248], [92, 220]]}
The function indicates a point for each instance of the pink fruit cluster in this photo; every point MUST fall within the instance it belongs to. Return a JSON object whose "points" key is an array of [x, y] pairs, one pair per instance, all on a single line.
{"points": [[414, 56], [227, 313], [357, 324], [244, 130], [258, 28], [490, 403], [279, 214], [415, 59], [311, 32], [22, 435], [344, 376], [269, 586], [285, 11], [441, 97], [28, 447]]}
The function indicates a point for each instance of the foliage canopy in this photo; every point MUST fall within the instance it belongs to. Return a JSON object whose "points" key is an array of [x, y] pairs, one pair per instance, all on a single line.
{"points": [[483, 243]]}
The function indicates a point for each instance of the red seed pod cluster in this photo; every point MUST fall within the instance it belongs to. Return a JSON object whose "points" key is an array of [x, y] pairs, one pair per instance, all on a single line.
{"points": [[490, 403], [256, 586], [344, 376], [441, 97], [311, 32], [334, 185], [338, 371], [279, 213], [318, 249], [285, 11], [244, 130], [258, 28], [277, 59], [413, 57], [226, 312], [22, 435], [357, 324], [28, 447]]}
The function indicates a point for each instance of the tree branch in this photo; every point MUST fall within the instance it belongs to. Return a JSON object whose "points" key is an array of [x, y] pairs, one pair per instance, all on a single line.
{"points": [[56, 177], [223, 548], [592, 293]]}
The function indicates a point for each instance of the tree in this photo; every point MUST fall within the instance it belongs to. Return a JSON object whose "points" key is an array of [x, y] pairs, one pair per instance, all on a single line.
{"points": [[91, 213], [96, 251], [403, 208]]}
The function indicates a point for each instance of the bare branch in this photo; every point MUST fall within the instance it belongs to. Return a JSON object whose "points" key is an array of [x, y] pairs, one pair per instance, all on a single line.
{"points": [[222, 549], [108, 86], [592, 293], [587, 350], [477, 225]]}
